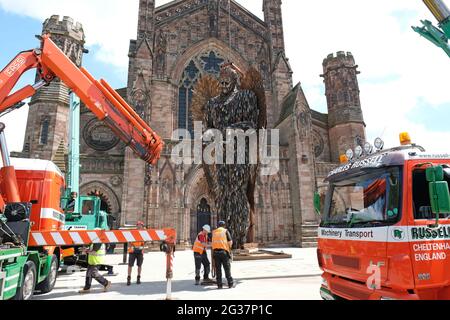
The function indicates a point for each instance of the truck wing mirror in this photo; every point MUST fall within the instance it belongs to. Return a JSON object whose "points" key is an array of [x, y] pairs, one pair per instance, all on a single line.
{"points": [[317, 205], [439, 191]]}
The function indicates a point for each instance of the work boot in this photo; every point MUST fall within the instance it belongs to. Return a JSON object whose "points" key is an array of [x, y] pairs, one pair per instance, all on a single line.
{"points": [[129, 281], [230, 285], [107, 286], [138, 280], [197, 282], [219, 286], [84, 291], [208, 281]]}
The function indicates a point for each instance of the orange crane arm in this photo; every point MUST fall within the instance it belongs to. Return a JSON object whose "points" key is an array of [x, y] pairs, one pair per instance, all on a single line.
{"points": [[98, 96]]}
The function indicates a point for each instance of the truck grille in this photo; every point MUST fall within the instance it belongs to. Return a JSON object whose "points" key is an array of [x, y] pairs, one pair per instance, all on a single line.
{"points": [[347, 262], [350, 292]]}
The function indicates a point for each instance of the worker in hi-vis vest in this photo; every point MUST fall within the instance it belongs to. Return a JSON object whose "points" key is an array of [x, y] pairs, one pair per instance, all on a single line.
{"points": [[136, 255], [222, 244], [96, 257], [201, 256]]}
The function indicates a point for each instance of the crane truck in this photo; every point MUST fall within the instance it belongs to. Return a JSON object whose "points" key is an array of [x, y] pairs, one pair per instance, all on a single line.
{"points": [[385, 227], [31, 218]]}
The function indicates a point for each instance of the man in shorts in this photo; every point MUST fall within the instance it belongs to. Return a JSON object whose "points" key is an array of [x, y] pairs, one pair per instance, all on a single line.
{"points": [[136, 255]]}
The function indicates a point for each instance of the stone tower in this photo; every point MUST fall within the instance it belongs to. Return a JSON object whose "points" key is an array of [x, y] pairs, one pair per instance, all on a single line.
{"points": [[280, 67], [345, 117], [139, 82], [47, 125], [274, 20]]}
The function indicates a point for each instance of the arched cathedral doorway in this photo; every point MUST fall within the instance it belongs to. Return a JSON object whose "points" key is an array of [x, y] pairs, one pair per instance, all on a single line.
{"points": [[203, 214]]}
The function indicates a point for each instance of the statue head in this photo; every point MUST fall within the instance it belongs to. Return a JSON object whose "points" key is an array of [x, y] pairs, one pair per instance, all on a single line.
{"points": [[228, 80]]}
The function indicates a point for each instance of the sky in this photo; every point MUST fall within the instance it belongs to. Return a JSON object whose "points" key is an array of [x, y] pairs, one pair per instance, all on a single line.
{"points": [[403, 81]]}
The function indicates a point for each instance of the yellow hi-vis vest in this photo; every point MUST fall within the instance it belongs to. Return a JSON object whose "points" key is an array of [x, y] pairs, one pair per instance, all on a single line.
{"points": [[97, 257], [199, 247], [219, 240]]}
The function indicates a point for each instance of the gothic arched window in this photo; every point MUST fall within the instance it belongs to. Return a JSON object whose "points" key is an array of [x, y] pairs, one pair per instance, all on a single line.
{"points": [[190, 77], [206, 63]]}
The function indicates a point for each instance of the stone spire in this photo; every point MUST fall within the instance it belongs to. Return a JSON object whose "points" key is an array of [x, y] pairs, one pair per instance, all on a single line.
{"points": [[274, 20]]}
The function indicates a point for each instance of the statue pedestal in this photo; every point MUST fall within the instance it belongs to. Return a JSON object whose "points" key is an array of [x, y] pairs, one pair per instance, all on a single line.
{"points": [[251, 247], [251, 251]]}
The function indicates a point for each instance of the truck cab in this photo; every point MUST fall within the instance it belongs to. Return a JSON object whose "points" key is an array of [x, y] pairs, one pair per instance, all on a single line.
{"points": [[88, 217], [385, 229], [42, 183]]}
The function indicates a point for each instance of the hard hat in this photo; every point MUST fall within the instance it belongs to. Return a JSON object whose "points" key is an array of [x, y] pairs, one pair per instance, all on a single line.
{"points": [[207, 228], [221, 224]]}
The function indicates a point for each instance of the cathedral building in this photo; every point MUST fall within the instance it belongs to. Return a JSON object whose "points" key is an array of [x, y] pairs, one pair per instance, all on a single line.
{"points": [[176, 44]]}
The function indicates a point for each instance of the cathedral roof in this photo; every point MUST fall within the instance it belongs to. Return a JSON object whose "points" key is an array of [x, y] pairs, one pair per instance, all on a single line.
{"points": [[288, 104], [319, 117], [122, 92], [288, 107]]}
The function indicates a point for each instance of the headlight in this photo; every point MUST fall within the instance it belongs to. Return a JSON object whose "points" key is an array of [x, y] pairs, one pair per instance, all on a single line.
{"points": [[368, 148], [358, 152], [379, 144], [349, 154]]}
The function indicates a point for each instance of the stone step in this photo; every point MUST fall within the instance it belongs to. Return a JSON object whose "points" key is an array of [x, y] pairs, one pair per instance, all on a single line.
{"points": [[310, 227], [310, 239], [310, 233], [310, 224], [309, 245]]}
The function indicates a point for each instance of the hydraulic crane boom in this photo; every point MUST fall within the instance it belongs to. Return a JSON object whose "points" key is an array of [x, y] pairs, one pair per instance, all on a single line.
{"points": [[107, 105], [438, 36]]}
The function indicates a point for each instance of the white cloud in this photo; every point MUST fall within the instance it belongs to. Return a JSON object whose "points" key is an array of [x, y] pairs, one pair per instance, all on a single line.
{"points": [[376, 32]]}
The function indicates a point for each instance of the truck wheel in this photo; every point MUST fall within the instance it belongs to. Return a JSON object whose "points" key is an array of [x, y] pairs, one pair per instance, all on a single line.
{"points": [[49, 283], [26, 291]]}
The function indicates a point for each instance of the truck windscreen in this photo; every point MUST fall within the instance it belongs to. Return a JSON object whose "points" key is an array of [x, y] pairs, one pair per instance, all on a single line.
{"points": [[371, 199]]}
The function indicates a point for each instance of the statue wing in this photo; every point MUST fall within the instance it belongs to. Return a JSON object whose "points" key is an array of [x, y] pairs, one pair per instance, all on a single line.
{"points": [[252, 81], [206, 88]]}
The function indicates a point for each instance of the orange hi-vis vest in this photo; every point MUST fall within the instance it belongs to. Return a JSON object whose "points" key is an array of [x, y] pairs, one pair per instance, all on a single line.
{"points": [[199, 247], [219, 240], [136, 245]]}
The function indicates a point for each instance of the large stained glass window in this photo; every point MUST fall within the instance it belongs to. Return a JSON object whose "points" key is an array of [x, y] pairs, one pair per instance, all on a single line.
{"points": [[206, 63]]}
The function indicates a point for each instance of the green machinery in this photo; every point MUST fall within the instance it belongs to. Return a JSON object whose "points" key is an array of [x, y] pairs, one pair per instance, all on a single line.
{"points": [[438, 36], [87, 213], [22, 270]]}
